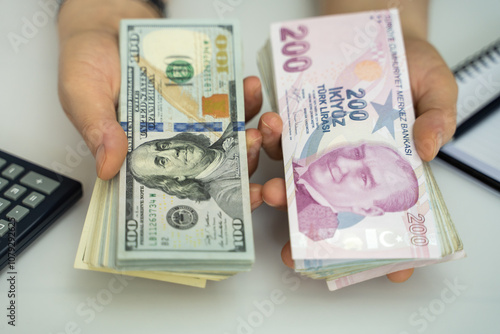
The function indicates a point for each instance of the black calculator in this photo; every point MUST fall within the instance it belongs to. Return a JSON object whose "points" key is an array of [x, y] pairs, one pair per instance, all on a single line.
{"points": [[31, 199]]}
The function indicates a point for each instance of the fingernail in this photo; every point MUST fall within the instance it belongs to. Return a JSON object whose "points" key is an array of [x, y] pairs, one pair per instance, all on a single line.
{"points": [[438, 143], [252, 153], [100, 158], [255, 205], [253, 149], [426, 148], [258, 92], [266, 129]]}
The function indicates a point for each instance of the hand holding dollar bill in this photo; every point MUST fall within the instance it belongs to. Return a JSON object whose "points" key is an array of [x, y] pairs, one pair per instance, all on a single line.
{"points": [[179, 210], [361, 202]]}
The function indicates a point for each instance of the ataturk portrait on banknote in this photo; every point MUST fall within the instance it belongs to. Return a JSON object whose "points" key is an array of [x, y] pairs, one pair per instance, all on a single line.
{"points": [[366, 179]]}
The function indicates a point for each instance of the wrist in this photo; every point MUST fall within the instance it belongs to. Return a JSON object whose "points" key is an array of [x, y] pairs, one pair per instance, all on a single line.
{"points": [[413, 14], [415, 19], [80, 16]]}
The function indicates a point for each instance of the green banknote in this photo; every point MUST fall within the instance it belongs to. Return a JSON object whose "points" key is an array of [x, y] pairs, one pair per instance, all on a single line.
{"points": [[180, 202], [183, 190]]}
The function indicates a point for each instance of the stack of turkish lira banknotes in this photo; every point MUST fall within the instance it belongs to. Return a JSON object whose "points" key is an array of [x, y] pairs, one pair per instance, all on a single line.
{"points": [[361, 203], [179, 209]]}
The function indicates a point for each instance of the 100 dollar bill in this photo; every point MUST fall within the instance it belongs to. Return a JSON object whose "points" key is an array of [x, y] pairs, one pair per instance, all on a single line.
{"points": [[356, 187], [184, 187]]}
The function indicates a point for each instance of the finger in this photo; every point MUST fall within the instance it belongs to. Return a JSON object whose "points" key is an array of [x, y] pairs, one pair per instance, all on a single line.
{"points": [[286, 256], [254, 143], [436, 116], [255, 195], [435, 95], [400, 276], [431, 131], [270, 125], [253, 97], [88, 91], [274, 193]]}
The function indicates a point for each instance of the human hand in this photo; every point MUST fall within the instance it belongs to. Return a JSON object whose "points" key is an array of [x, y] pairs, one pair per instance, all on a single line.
{"points": [[434, 93], [89, 81], [89, 74]]}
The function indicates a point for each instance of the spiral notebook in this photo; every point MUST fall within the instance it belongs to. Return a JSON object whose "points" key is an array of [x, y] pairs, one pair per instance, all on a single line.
{"points": [[475, 148]]}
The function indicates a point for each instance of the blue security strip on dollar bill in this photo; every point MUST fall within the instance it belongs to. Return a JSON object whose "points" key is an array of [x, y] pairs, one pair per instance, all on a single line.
{"points": [[238, 126], [198, 127], [151, 127], [206, 127]]}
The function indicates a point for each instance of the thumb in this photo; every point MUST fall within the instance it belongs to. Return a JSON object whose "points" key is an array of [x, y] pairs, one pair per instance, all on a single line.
{"points": [[286, 255], [89, 81], [435, 96]]}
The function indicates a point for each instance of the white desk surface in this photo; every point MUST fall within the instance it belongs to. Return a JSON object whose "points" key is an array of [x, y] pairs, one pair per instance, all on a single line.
{"points": [[55, 298]]}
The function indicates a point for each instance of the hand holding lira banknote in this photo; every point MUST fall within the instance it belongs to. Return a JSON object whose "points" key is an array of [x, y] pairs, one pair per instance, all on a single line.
{"points": [[361, 203]]}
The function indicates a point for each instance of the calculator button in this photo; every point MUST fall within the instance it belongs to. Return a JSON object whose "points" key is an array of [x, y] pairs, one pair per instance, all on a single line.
{"points": [[33, 199], [2, 162], [4, 227], [12, 171], [40, 182], [3, 183], [15, 192], [18, 213], [3, 204]]}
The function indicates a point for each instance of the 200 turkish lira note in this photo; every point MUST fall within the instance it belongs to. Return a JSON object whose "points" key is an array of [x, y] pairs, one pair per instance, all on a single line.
{"points": [[184, 192], [355, 183]]}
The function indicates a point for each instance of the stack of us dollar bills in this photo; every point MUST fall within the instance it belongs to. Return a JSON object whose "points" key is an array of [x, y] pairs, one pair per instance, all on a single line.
{"points": [[361, 203], [179, 209]]}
